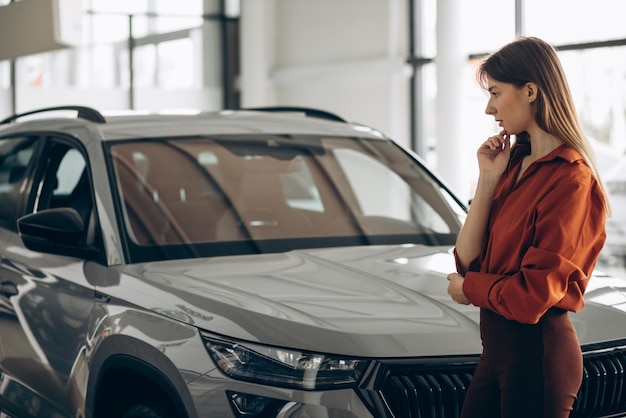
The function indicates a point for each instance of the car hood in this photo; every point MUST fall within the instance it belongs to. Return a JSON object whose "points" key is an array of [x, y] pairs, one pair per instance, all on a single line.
{"points": [[382, 301]]}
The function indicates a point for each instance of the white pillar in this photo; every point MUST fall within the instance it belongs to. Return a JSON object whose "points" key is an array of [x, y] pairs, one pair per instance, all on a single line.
{"points": [[257, 52], [453, 157]]}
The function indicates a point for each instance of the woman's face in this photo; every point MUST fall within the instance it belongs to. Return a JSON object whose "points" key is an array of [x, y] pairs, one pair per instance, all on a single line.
{"points": [[510, 106]]}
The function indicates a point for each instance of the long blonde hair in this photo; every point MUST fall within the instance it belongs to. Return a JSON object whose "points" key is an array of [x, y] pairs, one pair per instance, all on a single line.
{"points": [[530, 59]]}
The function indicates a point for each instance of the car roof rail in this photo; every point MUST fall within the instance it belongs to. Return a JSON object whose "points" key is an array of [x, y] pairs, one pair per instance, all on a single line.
{"points": [[83, 112], [308, 111]]}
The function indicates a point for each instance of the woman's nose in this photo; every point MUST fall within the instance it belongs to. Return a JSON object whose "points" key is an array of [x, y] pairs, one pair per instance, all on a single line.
{"points": [[490, 110]]}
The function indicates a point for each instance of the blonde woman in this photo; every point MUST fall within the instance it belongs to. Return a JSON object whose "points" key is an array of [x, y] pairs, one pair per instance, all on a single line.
{"points": [[532, 237]]}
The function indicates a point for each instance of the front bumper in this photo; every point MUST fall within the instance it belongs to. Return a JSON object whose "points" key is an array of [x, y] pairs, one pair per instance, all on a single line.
{"points": [[422, 387]]}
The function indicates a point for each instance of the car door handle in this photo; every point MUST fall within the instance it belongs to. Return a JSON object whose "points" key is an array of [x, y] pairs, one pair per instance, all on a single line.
{"points": [[8, 288]]}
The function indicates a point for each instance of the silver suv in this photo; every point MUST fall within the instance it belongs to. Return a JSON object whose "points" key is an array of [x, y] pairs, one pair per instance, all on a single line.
{"points": [[276, 262]]}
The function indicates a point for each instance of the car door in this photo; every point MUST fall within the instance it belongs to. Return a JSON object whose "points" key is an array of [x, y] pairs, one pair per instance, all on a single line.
{"points": [[15, 159], [47, 299]]}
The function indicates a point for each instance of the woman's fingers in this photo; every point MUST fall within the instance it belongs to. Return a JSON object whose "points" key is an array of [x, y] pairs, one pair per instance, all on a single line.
{"points": [[498, 142]]}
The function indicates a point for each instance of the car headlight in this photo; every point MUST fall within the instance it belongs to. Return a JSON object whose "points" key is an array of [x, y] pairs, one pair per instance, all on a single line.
{"points": [[284, 367]]}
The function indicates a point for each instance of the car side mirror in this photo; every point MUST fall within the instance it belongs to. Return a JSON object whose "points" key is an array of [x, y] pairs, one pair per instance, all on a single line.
{"points": [[55, 231]]}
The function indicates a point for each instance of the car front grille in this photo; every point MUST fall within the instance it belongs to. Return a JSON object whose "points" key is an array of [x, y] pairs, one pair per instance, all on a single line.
{"points": [[604, 380], [436, 387]]}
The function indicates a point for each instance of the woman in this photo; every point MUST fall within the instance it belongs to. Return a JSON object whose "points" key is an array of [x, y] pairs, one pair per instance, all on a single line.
{"points": [[532, 236]]}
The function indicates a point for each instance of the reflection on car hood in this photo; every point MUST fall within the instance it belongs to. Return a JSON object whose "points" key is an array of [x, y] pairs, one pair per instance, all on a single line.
{"points": [[383, 301]]}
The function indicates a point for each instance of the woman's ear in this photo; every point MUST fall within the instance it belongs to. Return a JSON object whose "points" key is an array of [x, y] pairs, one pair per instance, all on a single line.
{"points": [[531, 91]]}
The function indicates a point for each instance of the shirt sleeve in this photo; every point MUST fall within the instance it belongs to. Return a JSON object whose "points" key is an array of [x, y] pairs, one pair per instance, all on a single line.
{"points": [[473, 266], [568, 236]]}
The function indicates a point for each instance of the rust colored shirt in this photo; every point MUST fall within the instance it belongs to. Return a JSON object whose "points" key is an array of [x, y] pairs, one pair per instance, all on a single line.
{"points": [[543, 239]]}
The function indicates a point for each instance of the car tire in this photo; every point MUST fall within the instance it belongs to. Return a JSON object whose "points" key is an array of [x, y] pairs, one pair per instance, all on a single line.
{"points": [[147, 410]]}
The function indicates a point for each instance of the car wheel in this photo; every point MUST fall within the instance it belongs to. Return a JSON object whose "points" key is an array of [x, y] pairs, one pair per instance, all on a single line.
{"points": [[147, 410]]}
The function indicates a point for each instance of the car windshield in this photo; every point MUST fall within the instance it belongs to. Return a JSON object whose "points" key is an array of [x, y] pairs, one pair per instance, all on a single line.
{"points": [[212, 196]]}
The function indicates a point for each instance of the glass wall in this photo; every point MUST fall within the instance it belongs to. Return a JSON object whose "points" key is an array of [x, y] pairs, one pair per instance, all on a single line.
{"points": [[144, 55], [574, 21]]}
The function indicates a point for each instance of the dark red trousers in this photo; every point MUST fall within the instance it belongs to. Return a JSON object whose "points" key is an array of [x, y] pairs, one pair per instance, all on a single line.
{"points": [[525, 371]]}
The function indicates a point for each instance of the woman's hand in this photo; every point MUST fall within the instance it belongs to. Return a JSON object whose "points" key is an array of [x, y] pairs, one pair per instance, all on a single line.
{"points": [[455, 288], [493, 154]]}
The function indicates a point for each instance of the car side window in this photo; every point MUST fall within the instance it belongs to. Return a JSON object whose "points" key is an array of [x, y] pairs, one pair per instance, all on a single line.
{"points": [[69, 173], [66, 183], [15, 157]]}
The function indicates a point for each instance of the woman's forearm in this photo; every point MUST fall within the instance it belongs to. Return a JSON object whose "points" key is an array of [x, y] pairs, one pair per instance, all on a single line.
{"points": [[471, 238]]}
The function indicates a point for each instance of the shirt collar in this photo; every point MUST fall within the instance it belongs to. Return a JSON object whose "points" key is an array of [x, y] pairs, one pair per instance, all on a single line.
{"points": [[564, 152]]}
